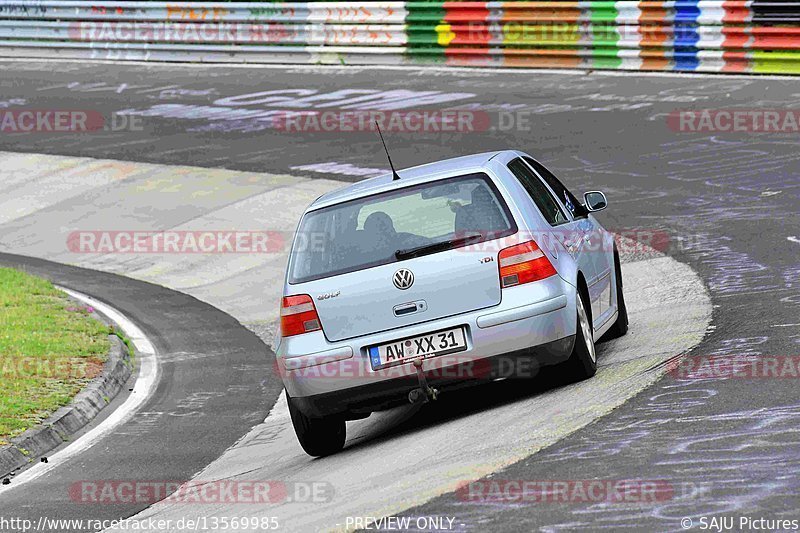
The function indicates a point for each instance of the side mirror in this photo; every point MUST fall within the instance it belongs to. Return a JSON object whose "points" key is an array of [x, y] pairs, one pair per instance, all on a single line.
{"points": [[595, 201]]}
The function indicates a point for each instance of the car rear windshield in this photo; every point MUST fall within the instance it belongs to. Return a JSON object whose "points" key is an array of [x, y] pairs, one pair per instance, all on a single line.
{"points": [[391, 226]]}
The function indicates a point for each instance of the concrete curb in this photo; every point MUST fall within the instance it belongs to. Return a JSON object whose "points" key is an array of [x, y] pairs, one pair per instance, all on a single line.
{"points": [[68, 420]]}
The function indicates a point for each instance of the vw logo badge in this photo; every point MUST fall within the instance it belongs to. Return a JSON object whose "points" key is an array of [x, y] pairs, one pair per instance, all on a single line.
{"points": [[403, 279]]}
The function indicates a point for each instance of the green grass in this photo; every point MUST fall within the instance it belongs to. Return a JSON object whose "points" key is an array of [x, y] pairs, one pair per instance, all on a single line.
{"points": [[50, 348]]}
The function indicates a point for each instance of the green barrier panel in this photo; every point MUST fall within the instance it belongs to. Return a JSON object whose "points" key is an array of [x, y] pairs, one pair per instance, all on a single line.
{"points": [[776, 62], [602, 14]]}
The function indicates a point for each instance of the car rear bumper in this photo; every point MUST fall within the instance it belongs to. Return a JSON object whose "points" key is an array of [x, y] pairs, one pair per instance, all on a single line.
{"points": [[364, 399], [533, 326]]}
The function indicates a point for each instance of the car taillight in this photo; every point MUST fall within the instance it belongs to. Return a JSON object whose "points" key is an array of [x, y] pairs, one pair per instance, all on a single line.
{"points": [[298, 315], [523, 263]]}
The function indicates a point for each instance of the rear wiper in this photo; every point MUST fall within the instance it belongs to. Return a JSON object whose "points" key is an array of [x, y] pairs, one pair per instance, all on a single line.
{"points": [[426, 249]]}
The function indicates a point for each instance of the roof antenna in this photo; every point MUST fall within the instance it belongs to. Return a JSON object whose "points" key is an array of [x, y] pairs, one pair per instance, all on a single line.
{"points": [[395, 176]]}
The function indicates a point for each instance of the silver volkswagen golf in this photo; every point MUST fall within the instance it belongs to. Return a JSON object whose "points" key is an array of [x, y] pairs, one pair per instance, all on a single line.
{"points": [[458, 272]]}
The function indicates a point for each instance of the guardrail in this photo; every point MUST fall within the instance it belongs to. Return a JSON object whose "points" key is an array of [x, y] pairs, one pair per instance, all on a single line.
{"points": [[687, 35]]}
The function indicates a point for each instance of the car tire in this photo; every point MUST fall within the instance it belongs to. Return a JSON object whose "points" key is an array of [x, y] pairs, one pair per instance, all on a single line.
{"points": [[318, 436], [582, 362], [620, 326]]}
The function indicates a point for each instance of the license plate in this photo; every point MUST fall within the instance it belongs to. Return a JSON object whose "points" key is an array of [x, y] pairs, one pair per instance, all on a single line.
{"points": [[430, 345]]}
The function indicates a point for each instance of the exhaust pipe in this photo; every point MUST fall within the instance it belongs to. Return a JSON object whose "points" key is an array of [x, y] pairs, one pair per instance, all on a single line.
{"points": [[424, 393]]}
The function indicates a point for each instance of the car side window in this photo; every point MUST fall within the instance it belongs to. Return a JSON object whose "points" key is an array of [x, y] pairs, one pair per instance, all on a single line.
{"points": [[540, 195], [566, 197]]}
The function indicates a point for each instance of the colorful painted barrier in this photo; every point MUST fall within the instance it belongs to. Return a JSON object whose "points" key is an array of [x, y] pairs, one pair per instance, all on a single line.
{"points": [[745, 36]]}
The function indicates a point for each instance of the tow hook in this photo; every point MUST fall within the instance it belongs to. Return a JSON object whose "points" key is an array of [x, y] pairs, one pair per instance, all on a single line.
{"points": [[424, 393]]}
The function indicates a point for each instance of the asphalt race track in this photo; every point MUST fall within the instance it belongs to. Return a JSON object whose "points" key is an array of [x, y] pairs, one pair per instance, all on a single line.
{"points": [[482, 430], [723, 203]]}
